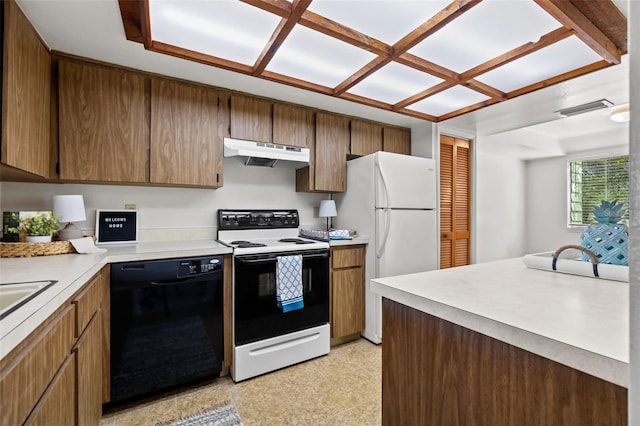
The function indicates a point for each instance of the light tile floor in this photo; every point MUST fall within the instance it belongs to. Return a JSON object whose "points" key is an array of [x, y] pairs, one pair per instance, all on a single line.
{"points": [[341, 388]]}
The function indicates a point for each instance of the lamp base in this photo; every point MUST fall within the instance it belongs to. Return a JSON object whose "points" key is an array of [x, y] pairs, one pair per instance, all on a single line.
{"points": [[69, 232]]}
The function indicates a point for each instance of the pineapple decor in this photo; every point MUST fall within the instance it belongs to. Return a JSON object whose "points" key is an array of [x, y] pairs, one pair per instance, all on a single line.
{"points": [[607, 239]]}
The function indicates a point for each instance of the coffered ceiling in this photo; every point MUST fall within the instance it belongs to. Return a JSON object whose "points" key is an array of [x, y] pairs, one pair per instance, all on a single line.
{"points": [[429, 59]]}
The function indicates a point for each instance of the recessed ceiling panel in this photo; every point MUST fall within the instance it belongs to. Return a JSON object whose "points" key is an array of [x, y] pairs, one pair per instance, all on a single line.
{"points": [[317, 58], [227, 29], [447, 101], [561, 57], [384, 20], [393, 83], [487, 30]]}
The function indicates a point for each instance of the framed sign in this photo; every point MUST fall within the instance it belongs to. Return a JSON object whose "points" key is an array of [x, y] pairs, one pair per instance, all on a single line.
{"points": [[116, 226]]}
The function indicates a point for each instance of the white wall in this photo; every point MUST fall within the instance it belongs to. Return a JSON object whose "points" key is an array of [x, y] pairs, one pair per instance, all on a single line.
{"points": [[500, 206], [176, 213], [546, 205], [422, 140]]}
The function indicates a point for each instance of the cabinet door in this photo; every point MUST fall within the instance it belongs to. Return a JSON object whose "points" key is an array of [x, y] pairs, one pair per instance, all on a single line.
{"points": [[28, 371], [366, 138], [347, 290], [251, 119], [397, 140], [347, 301], [88, 352], [188, 124], [103, 124], [58, 404], [26, 97], [292, 125], [332, 143]]}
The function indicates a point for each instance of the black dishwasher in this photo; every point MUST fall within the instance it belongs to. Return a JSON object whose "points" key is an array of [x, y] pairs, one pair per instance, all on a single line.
{"points": [[166, 324]]}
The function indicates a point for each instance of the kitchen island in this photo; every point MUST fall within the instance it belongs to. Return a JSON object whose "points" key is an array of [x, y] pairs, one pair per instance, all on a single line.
{"points": [[498, 343]]}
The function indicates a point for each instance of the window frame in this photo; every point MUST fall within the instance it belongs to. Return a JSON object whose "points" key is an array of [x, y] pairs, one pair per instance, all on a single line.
{"points": [[586, 156]]}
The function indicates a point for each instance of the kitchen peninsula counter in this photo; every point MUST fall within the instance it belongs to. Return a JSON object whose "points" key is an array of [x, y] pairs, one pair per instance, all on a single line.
{"points": [[72, 271], [522, 338]]}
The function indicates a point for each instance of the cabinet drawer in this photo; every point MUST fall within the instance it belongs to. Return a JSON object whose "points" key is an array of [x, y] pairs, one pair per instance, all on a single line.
{"points": [[87, 303], [347, 257], [25, 379]]}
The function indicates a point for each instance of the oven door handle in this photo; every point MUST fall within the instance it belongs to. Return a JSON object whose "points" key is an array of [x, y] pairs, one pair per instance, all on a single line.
{"points": [[275, 258]]}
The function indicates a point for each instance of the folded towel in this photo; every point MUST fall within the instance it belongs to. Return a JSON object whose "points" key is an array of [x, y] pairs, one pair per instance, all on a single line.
{"points": [[289, 283], [86, 245]]}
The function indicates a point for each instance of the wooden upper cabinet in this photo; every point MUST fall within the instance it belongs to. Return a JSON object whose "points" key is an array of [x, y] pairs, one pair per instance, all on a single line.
{"points": [[103, 124], [26, 95], [366, 138], [396, 140], [332, 144], [188, 125], [292, 125], [251, 119]]}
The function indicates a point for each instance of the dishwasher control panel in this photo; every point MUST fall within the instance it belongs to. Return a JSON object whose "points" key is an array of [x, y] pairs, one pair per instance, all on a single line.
{"points": [[202, 265]]}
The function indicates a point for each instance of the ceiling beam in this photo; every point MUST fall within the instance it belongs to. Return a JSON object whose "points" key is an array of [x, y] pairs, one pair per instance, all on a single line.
{"points": [[424, 94], [569, 16], [468, 109], [559, 79], [130, 12], [439, 20], [485, 89], [281, 8], [281, 32], [145, 23], [517, 53], [180, 52], [420, 64]]}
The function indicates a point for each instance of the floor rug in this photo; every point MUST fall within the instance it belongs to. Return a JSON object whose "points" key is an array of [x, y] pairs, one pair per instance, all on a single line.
{"points": [[221, 415]]}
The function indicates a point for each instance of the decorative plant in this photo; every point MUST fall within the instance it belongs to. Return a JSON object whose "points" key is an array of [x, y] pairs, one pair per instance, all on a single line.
{"points": [[44, 224]]}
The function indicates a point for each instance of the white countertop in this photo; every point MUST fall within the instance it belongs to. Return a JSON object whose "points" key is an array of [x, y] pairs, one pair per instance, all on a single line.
{"points": [[351, 242], [72, 271], [577, 321]]}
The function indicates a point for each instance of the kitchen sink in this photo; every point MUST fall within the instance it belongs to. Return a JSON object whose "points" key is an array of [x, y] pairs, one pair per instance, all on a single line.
{"points": [[14, 295]]}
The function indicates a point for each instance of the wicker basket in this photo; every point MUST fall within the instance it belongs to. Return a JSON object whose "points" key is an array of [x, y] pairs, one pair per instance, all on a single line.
{"points": [[35, 249]]}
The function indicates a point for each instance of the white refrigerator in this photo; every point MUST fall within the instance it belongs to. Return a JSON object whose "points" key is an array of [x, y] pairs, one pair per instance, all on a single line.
{"points": [[391, 199]]}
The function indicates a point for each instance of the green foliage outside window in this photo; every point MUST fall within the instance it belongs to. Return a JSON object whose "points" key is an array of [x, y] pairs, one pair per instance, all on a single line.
{"points": [[592, 181]]}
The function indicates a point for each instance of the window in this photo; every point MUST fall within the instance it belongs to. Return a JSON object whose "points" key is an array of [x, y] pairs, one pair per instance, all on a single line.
{"points": [[594, 180]]}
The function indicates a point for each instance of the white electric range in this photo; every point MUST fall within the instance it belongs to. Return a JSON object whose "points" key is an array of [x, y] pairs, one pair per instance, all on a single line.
{"points": [[265, 337]]}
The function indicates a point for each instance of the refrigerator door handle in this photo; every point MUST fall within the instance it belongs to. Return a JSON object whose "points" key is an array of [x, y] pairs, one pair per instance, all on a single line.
{"points": [[384, 183], [387, 223]]}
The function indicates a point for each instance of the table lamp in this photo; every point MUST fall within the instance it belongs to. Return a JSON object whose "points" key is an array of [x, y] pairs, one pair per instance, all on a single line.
{"points": [[327, 209], [70, 208]]}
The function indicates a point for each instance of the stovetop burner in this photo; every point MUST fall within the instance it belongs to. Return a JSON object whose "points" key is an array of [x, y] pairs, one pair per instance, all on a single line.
{"points": [[246, 244], [295, 240]]}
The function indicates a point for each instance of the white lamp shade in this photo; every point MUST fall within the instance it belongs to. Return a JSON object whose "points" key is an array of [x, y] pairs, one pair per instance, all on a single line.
{"points": [[327, 208], [70, 208]]}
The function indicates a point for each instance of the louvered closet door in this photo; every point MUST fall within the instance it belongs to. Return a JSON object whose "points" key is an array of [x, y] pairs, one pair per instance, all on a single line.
{"points": [[455, 201]]}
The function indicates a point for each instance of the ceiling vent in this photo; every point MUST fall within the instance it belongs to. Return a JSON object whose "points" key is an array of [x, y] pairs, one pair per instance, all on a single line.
{"points": [[580, 109]]}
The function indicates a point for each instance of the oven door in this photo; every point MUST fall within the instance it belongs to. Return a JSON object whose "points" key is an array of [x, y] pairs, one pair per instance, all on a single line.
{"points": [[256, 314]]}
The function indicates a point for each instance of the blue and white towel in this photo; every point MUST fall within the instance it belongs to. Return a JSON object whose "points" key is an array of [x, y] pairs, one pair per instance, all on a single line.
{"points": [[289, 283]]}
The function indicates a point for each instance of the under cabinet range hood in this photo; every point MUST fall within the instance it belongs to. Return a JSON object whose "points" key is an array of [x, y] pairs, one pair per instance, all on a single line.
{"points": [[264, 154]]}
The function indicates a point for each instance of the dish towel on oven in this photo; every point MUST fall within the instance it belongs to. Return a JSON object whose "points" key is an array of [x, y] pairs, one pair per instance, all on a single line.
{"points": [[289, 283]]}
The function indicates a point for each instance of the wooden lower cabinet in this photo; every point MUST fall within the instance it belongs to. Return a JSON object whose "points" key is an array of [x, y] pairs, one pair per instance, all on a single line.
{"points": [[56, 376], [88, 354], [435, 372], [57, 405], [347, 290]]}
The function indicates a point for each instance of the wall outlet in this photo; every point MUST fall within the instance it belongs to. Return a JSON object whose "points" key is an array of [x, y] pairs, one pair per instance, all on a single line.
{"points": [[130, 207]]}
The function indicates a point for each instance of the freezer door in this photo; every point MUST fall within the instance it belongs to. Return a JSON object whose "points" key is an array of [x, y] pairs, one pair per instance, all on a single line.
{"points": [[406, 241], [403, 181]]}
